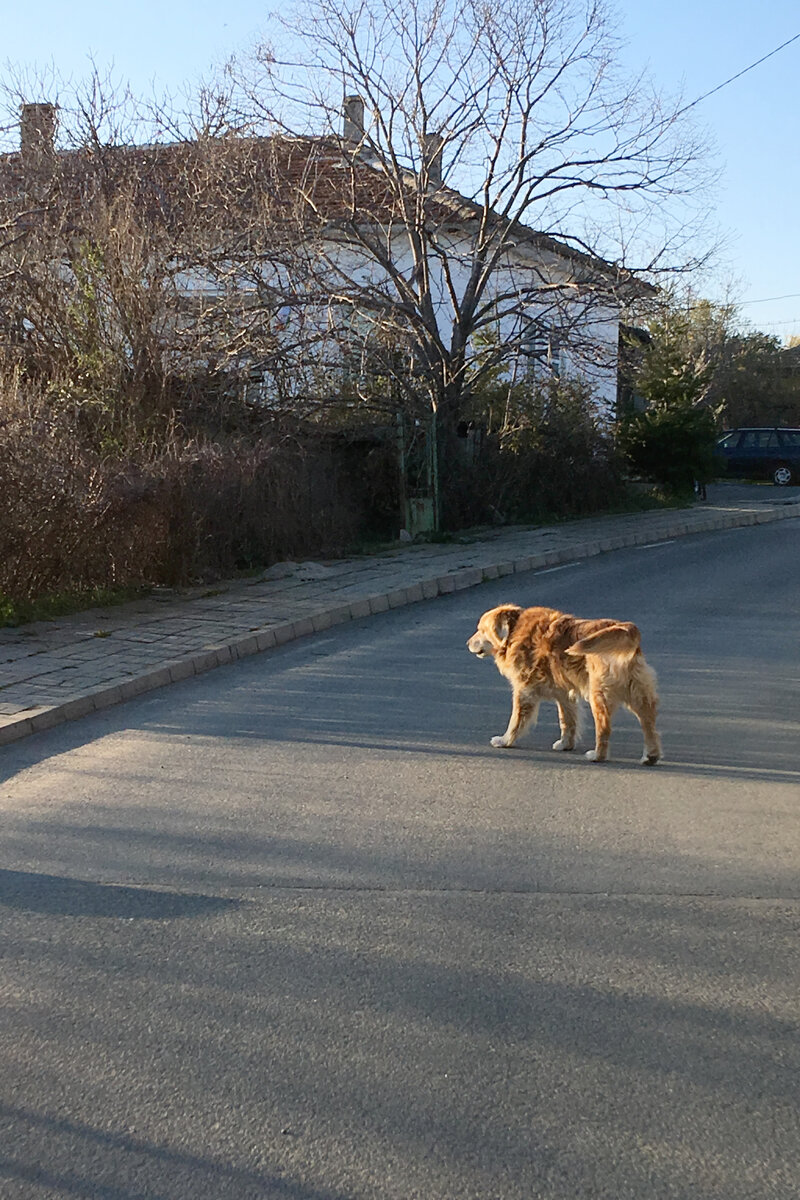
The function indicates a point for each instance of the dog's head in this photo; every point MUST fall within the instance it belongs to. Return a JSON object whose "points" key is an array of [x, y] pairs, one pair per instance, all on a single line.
{"points": [[494, 629]]}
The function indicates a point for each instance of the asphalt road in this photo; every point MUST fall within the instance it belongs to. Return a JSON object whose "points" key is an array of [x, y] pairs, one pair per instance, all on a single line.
{"points": [[293, 929]]}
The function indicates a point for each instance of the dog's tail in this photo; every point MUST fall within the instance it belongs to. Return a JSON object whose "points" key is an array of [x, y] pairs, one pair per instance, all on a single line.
{"points": [[622, 639]]}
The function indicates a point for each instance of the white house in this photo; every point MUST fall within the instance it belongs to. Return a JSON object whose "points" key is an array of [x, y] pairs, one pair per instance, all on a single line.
{"points": [[324, 231]]}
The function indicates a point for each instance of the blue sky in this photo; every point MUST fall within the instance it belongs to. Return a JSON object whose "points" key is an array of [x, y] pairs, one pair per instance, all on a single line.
{"points": [[689, 45], [693, 45]]}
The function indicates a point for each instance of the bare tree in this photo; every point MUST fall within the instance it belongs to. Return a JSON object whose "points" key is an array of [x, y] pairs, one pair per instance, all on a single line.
{"points": [[405, 201], [489, 158], [133, 240]]}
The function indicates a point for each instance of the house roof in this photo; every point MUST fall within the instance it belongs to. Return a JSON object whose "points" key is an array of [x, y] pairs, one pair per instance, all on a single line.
{"points": [[221, 176], [296, 181]]}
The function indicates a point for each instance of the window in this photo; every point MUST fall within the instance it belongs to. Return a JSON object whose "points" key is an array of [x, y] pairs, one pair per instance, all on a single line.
{"points": [[790, 437], [536, 343], [729, 440], [542, 348], [758, 439]]}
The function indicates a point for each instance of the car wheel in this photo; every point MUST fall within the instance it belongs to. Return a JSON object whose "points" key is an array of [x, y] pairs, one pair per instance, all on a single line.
{"points": [[782, 476]]}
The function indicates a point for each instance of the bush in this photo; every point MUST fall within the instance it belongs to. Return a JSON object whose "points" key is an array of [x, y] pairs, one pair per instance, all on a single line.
{"points": [[544, 452], [75, 520], [671, 443]]}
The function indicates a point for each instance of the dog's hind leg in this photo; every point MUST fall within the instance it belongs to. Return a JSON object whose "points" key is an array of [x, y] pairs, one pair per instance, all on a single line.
{"points": [[645, 708], [568, 723], [602, 710], [642, 700], [524, 711]]}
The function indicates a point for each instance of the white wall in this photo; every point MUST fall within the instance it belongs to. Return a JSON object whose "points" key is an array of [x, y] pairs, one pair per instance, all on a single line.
{"points": [[589, 350]]}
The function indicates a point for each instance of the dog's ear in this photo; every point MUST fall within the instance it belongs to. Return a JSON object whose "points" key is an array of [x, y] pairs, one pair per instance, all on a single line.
{"points": [[504, 622]]}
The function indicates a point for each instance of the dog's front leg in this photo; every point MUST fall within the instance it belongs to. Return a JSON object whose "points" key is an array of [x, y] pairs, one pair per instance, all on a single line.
{"points": [[524, 710]]}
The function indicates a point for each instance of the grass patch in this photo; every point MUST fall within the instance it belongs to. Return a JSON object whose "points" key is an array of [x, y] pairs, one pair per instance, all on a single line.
{"points": [[62, 604], [645, 497]]}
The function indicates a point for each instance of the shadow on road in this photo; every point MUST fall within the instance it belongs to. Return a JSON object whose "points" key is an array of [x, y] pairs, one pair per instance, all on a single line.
{"points": [[567, 993], [77, 1159], [403, 1046], [404, 1022], [60, 895]]}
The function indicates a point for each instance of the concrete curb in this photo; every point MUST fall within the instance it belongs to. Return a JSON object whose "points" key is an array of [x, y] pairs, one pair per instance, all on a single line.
{"points": [[211, 656]]}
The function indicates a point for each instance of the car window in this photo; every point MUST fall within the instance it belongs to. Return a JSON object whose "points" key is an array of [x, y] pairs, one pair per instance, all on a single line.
{"points": [[790, 437], [729, 440], [758, 439]]}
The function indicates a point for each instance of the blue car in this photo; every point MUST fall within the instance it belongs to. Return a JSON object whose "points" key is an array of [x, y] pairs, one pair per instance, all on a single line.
{"points": [[764, 453]]}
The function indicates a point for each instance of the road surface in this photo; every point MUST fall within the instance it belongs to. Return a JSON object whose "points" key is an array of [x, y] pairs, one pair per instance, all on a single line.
{"points": [[293, 929]]}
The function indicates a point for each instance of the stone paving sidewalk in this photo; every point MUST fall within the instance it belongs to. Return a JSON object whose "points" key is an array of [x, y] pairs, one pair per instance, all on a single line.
{"points": [[52, 672]]}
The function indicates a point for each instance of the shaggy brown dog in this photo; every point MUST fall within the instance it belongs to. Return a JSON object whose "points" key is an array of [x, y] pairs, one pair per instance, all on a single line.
{"points": [[550, 655]]}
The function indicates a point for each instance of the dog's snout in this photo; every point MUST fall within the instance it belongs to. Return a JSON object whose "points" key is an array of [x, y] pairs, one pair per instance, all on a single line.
{"points": [[477, 645]]}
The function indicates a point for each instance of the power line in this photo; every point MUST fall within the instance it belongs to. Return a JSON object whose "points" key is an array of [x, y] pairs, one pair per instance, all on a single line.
{"points": [[712, 92], [739, 74], [769, 299]]}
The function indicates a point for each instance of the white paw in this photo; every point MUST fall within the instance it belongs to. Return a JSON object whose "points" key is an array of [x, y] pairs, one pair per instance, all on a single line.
{"points": [[594, 756], [649, 760], [563, 744], [500, 743]]}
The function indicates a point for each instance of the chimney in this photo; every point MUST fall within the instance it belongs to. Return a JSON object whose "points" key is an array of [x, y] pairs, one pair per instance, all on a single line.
{"points": [[353, 118], [432, 154], [37, 133]]}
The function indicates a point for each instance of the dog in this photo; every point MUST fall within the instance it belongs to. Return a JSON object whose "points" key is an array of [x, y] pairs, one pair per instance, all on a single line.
{"points": [[551, 655]]}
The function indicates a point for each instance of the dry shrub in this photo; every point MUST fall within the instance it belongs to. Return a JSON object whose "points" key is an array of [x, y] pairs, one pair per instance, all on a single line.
{"points": [[75, 519], [59, 530], [238, 505]]}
